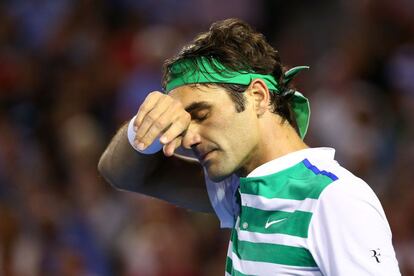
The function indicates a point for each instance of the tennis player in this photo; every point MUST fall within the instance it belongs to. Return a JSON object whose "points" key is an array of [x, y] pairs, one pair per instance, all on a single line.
{"points": [[293, 209]]}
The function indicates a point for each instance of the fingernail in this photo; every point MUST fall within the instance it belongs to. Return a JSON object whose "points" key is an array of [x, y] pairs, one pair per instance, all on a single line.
{"points": [[163, 139], [141, 146]]}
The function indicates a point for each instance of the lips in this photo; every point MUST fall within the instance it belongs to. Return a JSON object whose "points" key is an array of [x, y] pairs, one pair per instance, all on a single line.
{"points": [[204, 157], [203, 154]]}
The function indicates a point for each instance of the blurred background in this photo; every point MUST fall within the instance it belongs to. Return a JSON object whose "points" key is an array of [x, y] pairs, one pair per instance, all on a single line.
{"points": [[72, 72]]}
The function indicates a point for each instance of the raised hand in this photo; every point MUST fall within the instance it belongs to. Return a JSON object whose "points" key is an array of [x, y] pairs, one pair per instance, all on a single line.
{"points": [[161, 116]]}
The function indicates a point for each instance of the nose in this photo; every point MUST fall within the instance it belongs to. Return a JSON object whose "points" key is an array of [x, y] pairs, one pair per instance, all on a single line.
{"points": [[191, 137]]}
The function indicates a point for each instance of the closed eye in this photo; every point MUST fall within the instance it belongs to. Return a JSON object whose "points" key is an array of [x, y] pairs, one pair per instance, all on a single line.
{"points": [[199, 111], [200, 115]]}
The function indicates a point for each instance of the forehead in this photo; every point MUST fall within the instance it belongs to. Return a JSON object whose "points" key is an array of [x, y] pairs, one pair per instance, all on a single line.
{"points": [[188, 94]]}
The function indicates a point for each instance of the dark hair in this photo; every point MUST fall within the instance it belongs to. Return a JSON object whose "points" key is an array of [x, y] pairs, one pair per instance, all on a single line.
{"points": [[239, 48]]}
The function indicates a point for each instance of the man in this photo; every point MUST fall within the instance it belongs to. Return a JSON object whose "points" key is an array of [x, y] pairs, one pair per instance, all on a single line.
{"points": [[293, 209]]}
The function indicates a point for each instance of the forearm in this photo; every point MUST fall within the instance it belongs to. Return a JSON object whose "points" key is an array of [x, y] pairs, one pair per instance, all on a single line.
{"points": [[177, 181], [124, 167]]}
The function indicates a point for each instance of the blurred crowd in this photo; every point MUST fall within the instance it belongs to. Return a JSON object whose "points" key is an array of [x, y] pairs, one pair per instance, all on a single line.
{"points": [[72, 72]]}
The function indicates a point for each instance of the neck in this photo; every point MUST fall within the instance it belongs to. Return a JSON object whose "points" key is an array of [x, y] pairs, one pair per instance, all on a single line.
{"points": [[282, 140]]}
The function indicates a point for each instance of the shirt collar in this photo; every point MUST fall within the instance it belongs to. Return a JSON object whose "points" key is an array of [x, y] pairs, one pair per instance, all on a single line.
{"points": [[286, 161]]}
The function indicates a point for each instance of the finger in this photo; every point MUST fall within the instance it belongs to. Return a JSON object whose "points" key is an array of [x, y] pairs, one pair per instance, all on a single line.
{"points": [[152, 118], [174, 117], [149, 103], [179, 126], [158, 127], [170, 148]]}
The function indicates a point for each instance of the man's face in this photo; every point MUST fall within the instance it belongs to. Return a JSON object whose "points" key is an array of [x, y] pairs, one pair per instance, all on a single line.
{"points": [[228, 139]]}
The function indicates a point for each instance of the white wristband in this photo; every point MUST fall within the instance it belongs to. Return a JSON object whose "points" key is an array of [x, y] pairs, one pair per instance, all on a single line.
{"points": [[156, 146]]}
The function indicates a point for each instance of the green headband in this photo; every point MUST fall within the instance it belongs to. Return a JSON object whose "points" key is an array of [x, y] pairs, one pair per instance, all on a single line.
{"points": [[204, 70]]}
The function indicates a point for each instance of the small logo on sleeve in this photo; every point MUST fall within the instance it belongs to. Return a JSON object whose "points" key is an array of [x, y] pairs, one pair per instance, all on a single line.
{"points": [[376, 254]]}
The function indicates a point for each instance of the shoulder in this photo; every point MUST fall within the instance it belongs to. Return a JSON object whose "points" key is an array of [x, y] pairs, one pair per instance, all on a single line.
{"points": [[348, 202], [348, 226], [336, 192], [349, 191], [338, 180]]}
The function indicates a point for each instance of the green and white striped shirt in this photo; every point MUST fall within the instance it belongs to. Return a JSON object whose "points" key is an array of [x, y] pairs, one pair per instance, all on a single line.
{"points": [[303, 214]]}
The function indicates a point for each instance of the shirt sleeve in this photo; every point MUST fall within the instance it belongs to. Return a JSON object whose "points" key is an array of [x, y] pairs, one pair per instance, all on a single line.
{"points": [[349, 233], [222, 194], [223, 199]]}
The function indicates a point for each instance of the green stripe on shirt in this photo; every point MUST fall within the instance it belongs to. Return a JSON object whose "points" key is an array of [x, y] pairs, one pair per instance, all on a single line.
{"points": [[272, 253], [256, 220], [297, 182], [230, 270]]}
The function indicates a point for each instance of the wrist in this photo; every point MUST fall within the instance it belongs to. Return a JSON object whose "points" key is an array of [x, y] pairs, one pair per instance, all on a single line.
{"points": [[155, 147]]}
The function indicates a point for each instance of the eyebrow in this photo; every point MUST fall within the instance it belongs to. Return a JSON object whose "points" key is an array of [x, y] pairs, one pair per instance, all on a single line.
{"points": [[197, 105]]}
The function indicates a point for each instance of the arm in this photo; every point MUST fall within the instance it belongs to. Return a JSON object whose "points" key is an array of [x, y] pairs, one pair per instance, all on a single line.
{"points": [[177, 181], [349, 233]]}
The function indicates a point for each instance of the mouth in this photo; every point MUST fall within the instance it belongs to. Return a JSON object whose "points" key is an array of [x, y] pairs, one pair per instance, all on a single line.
{"points": [[203, 156]]}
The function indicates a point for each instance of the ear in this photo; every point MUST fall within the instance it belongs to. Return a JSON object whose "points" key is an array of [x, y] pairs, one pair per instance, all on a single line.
{"points": [[260, 95]]}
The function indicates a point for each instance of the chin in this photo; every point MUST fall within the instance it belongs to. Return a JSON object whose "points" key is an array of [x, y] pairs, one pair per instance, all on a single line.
{"points": [[216, 175]]}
